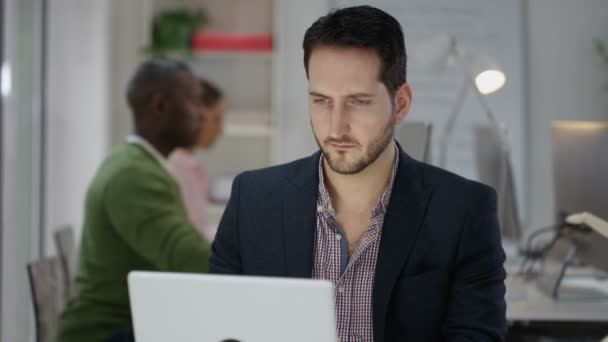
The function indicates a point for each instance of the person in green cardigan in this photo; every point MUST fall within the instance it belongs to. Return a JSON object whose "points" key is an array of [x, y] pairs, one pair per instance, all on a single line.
{"points": [[134, 215]]}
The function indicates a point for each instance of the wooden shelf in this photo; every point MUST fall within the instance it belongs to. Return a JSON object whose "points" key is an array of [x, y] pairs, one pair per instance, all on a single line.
{"points": [[248, 124], [231, 56], [248, 130]]}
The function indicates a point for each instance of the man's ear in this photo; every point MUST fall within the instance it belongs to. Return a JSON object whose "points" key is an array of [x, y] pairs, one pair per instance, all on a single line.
{"points": [[160, 109], [403, 102], [158, 104]]}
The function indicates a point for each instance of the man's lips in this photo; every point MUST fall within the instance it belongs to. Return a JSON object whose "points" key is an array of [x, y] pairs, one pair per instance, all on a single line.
{"points": [[342, 146]]}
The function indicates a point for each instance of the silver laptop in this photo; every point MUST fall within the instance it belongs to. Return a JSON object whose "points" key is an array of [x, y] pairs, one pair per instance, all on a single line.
{"points": [[196, 307]]}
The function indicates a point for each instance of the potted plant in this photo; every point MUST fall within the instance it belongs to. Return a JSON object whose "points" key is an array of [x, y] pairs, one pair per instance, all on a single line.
{"points": [[172, 31]]}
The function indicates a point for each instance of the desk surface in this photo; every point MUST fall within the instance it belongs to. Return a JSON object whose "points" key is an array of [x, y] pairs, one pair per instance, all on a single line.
{"points": [[525, 302]]}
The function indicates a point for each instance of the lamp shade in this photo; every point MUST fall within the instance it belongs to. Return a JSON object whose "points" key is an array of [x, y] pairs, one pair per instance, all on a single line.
{"points": [[487, 76]]}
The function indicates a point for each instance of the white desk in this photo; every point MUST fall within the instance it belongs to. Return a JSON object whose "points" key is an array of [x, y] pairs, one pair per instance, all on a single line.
{"points": [[526, 303]]}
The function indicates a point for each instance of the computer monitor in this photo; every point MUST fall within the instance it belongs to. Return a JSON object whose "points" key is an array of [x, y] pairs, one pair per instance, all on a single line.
{"points": [[580, 167], [415, 138], [494, 168], [201, 307], [580, 170]]}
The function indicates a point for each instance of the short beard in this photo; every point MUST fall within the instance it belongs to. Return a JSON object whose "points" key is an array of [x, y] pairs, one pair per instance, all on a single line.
{"points": [[376, 148]]}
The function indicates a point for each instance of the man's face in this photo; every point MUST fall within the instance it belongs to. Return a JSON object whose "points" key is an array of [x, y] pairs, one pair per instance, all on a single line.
{"points": [[186, 114], [352, 113]]}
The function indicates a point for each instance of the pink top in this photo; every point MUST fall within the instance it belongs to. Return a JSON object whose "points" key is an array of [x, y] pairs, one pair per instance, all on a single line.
{"points": [[193, 181]]}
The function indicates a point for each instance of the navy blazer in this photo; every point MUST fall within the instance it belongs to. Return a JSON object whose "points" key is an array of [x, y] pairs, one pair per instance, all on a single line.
{"points": [[439, 273]]}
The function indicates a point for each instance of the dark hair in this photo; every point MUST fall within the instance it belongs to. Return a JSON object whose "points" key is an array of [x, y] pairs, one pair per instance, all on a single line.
{"points": [[362, 27], [211, 93], [159, 75]]}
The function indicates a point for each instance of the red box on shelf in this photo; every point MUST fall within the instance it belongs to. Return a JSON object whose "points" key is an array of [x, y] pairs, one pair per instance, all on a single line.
{"points": [[205, 41]]}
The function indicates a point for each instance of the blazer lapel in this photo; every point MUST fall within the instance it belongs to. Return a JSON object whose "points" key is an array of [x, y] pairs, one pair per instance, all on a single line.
{"points": [[404, 219], [299, 217]]}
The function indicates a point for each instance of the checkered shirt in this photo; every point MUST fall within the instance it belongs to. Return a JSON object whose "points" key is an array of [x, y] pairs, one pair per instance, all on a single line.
{"points": [[353, 277]]}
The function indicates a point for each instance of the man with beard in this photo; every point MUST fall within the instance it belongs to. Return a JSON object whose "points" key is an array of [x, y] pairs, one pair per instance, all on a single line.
{"points": [[413, 251], [134, 215]]}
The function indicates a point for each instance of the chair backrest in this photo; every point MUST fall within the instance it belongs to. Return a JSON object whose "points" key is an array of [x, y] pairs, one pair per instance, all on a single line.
{"points": [[415, 138], [66, 249], [49, 295]]}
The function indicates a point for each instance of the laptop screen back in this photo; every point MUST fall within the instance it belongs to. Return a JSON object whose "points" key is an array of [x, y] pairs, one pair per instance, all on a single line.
{"points": [[193, 307]]}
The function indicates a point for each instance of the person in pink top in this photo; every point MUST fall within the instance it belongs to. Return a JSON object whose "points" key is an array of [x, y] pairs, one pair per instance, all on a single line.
{"points": [[189, 172]]}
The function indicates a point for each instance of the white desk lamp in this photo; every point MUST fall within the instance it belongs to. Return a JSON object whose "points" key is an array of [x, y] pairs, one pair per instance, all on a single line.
{"points": [[484, 77], [481, 74]]}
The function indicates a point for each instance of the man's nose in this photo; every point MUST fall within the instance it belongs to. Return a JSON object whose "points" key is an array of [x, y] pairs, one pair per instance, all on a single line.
{"points": [[339, 121]]}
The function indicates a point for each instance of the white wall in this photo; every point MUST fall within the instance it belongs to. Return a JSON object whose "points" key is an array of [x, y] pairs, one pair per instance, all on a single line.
{"points": [[565, 79], [78, 106], [295, 138], [129, 33]]}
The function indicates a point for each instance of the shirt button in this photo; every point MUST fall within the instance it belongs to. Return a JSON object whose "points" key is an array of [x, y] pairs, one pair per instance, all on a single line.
{"points": [[340, 289], [338, 237]]}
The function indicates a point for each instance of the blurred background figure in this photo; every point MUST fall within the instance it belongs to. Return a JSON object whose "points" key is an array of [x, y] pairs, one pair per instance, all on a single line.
{"points": [[190, 173], [134, 216]]}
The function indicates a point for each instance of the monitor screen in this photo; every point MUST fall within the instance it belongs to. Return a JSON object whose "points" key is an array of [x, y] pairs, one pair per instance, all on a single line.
{"points": [[580, 169]]}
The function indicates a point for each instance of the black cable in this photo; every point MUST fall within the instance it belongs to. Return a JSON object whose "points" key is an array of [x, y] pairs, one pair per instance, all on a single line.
{"points": [[531, 254], [539, 232]]}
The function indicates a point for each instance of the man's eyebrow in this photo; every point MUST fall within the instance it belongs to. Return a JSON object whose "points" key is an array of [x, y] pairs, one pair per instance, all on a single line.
{"points": [[314, 93], [360, 95]]}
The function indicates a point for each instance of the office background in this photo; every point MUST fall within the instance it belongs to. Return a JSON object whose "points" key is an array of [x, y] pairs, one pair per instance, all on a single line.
{"points": [[66, 62]]}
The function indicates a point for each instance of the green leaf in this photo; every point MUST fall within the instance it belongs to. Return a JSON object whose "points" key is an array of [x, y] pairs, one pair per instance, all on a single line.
{"points": [[172, 31]]}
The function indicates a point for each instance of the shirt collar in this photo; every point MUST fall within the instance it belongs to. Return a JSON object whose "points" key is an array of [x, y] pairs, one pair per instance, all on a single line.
{"points": [[324, 200], [143, 143]]}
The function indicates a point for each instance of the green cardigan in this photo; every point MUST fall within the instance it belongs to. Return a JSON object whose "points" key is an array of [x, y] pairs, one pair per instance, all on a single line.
{"points": [[134, 219]]}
